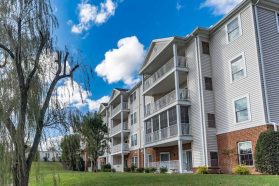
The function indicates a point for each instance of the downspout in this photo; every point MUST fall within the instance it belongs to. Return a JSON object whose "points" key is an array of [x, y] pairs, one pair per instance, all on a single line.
{"points": [[262, 62], [139, 126], [203, 129]]}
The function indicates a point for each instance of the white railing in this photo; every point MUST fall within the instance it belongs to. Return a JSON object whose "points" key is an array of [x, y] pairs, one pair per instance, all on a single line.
{"points": [[165, 101], [117, 148], [123, 106], [166, 133], [170, 165], [104, 119], [117, 128], [156, 76]]}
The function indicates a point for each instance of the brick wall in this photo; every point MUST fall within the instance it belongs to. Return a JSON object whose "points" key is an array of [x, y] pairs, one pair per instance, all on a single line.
{"points": [[228, 146]]}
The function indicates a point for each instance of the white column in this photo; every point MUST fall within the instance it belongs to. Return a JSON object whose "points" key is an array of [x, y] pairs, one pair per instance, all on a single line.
{"points": [[144, 158], [122, 160], [180, 155], [122, 134]]}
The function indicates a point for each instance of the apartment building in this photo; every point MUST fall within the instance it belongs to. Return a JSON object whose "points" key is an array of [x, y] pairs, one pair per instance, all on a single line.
{"points": [[204, 99]]}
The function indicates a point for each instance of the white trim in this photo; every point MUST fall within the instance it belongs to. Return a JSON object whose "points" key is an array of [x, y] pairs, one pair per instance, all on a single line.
{"points": [[251, 153], [248, 108], [242, 54], [277, 20], [165, 153], [239, 25]]}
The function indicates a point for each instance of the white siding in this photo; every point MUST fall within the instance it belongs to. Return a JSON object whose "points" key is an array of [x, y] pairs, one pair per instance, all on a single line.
{"points": [[225, 91]]}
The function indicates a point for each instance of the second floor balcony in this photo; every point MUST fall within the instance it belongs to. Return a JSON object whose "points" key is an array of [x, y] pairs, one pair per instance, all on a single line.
{"points": [[158, 75], [166, 100], [119, 148]]}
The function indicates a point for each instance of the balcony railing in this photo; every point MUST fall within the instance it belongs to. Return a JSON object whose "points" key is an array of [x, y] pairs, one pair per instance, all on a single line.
{"points": [[123, 106], [163, 70], [168, 132], [165, 101], [170, 165], [117, 128], [117, 148]]}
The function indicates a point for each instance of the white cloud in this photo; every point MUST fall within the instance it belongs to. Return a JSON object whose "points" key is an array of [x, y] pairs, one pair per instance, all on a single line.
{"points": [[220, 7], [90, 14], [178, 6], [122, 63], [73, 94]]}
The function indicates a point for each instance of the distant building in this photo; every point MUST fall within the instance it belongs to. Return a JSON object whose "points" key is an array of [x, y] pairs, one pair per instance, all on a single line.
{"points": [[50, 155]]}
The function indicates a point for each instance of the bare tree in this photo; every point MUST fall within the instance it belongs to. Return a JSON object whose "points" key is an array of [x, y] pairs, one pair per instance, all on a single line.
{"points": [[27, 85]]}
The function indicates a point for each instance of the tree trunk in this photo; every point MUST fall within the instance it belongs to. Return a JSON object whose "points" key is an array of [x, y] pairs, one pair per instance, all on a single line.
{"points": [[20, 174]]}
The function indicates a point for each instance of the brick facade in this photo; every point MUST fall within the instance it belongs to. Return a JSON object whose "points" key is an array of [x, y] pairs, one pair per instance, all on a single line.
{"points": [[228, 146]]}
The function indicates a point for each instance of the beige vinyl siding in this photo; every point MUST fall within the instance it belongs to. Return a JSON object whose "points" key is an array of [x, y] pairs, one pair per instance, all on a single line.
{"points": [[194, 109], [270, 51], [225, 91]]}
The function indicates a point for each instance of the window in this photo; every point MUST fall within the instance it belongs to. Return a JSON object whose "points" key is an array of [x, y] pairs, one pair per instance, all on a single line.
{"points": [[242, 112], [233, 29], [214, 159], [238, 69], [148, 127], [164, 120], [245, 153], [211, 120], [133, 97], [134, 140], [135, 161], [164, 156], [205, 48], [184, 114], [172, 116], [208, 83], [133, 118], [155, 121]]}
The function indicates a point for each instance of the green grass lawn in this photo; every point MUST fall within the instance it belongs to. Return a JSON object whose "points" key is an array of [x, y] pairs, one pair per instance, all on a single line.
{"points": [[43, 174]]}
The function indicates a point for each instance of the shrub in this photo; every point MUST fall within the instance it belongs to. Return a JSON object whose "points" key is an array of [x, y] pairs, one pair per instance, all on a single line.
{"points": [[147, 170], [106, 168], [202, 170], [127, 169], [140, 170], [153, 169], [53, 159], [113, 170], [133, 168], [241, 170], [163, 170], [267, 153]]}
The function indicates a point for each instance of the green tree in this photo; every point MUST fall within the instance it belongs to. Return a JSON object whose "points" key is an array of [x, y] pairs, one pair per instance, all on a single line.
{"points": [[30, 69], [93, 131], [267, 153], [70, 146]]}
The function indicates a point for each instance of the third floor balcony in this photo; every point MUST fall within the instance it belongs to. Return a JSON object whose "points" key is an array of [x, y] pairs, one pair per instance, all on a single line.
{"points": [[117, 129], [164, 71], [121, 107]]}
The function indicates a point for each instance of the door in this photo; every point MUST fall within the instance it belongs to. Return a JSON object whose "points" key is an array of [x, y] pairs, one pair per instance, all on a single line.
{"points": [[149, 160], [187, 160], [165, 159]]}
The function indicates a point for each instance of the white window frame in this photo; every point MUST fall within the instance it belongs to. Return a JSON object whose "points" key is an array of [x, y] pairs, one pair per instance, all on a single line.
{"points": [[133, 145], [248, 109], [238, 151], [165, 153], [277, 20], [239, 25], [133, 161], [245, 67]]}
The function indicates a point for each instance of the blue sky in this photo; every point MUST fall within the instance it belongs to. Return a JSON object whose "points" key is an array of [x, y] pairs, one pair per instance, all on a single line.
{"points": [[113, 35]]}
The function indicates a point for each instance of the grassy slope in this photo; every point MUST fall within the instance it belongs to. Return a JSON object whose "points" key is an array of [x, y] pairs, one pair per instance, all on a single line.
{"points": [[45, 172]]}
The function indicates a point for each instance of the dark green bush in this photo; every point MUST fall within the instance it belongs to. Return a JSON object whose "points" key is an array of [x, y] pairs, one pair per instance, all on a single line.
{"points": [[153, 169], [163, 170], [133, 168], [147, 170], [127, 169], [113, 170], [140, 170], [241, 170], [267, 153], [106, 168]]}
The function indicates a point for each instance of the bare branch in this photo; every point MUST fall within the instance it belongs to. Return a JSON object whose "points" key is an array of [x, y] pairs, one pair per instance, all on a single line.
{"points": [[8, 51]]}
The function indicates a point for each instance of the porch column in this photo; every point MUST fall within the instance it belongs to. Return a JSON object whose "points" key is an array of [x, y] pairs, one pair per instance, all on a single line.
{"points": [[176, 79], [121, 124], [122, 160], [180, 155], [144, 158]]}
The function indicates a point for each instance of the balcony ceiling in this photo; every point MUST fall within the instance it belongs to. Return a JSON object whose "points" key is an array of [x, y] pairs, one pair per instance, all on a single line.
{"points": [[167, 84], [118, 116]]}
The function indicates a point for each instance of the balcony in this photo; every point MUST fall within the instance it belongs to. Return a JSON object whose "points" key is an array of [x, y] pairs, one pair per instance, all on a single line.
{"points": [[118, 108], [172, 165], [166, 100], [117, 128], [166, 133], [117, 148], [161, 72]]}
